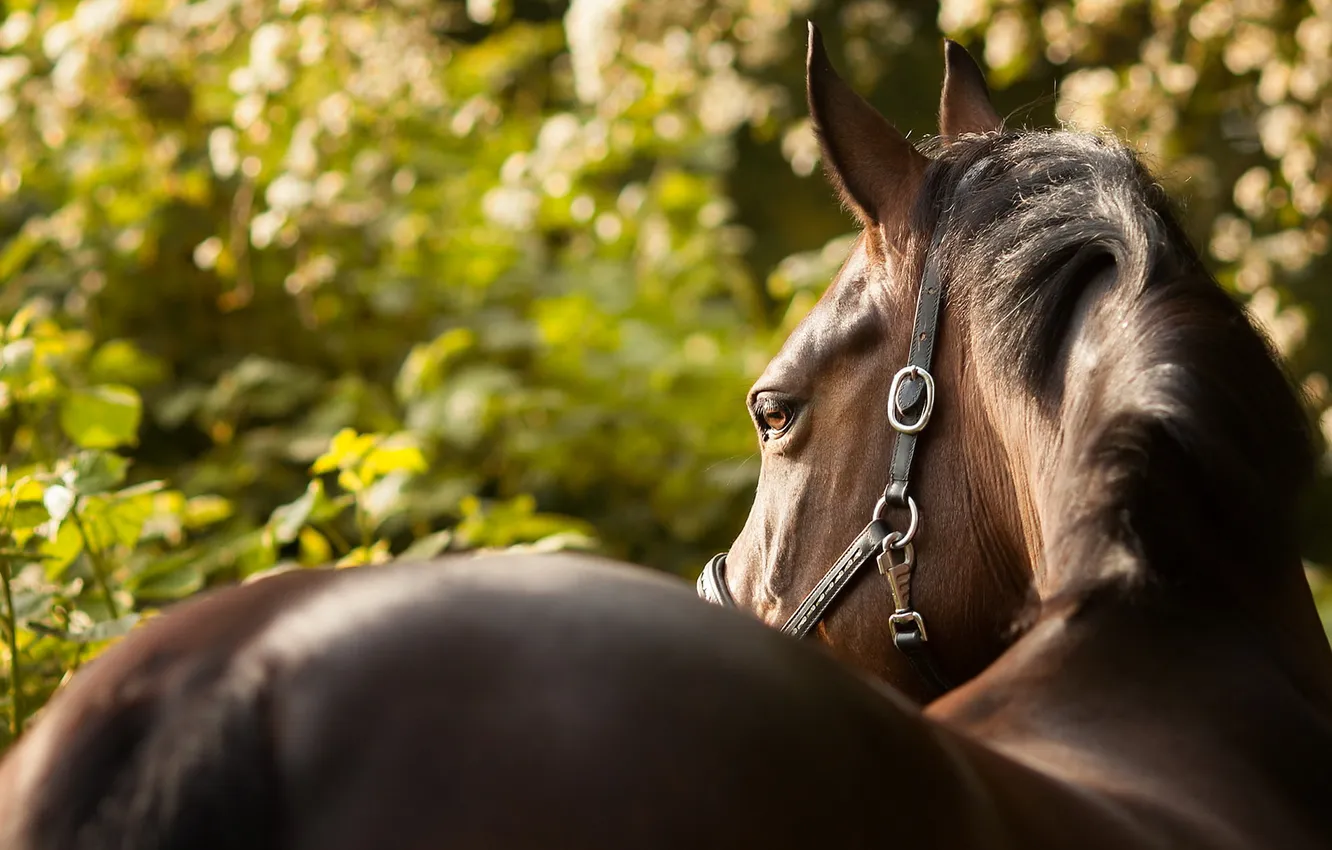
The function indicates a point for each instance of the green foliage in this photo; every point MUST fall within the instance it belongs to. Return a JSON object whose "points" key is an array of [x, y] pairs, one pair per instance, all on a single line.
{"points": [[292, 282]]}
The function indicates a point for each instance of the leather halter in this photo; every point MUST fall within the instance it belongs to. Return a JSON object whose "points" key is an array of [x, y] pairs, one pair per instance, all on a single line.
{"points": [[910, 404]]}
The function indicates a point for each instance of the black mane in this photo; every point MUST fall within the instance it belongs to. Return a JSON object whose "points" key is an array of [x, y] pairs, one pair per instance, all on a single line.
{"points": [[1186, 445]]}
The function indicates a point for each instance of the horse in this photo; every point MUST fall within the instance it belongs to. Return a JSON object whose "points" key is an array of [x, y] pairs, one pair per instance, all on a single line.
{"points": [[1097, 529], [1110, 476]]}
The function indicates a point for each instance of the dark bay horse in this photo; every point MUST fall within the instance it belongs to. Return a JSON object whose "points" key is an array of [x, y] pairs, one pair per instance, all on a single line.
{"points": [[1103, 552]]}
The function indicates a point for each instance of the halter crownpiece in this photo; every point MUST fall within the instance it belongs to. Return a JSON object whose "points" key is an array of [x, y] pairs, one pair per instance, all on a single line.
{"points": [[911, 398]]}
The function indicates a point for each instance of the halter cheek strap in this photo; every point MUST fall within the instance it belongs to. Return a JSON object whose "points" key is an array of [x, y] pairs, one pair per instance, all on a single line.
{"points": [[912, 392], [910, 404]]}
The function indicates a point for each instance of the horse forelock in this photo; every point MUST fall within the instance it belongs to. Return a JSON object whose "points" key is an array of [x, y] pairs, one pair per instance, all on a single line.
{"points": [[1187, 432]]}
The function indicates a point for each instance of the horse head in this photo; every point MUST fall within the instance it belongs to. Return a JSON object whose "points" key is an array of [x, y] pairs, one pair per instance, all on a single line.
{"points": [[821, 409], [1100, 414]]}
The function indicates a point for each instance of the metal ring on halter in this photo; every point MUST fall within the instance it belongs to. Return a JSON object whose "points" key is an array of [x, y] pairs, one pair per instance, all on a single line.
{"points": [[903, 540], [920, 423]]}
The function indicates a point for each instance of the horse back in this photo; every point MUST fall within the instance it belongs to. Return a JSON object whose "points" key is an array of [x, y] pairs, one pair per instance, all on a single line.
{"points": [[503, 702], [154, 714]]}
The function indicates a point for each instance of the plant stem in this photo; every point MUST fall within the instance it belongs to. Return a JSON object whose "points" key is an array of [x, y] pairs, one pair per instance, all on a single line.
{"points": [[11, 634], [334, 537], [363, 524], [99, 565]]}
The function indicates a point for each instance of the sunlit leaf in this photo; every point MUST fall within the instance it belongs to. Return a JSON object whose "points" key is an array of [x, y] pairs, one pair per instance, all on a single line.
{"points": [[203, 511], [392, 456], [315, 548], [62, 551], [102, 417], [118, 519], [351, 481], [377, 553], [345, 450]]}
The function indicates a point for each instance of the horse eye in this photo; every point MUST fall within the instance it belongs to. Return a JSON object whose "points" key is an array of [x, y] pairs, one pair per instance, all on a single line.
{"points": [[774, 417]]}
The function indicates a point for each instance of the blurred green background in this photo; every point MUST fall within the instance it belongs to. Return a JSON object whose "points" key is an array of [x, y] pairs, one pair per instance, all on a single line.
{"points": [[288, 281]]}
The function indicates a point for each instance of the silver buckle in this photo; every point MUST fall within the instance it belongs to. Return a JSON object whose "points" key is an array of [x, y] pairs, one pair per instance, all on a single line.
{"points": [[901, 617], [917, 373]]}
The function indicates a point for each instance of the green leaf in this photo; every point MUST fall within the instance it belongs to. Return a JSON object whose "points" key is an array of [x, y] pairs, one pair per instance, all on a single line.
{"points": [[122, 362], [202, 511], [102, 417], [105, 630], [118, 518], [32, 603], [169, 586], [382, 498], [313, 506], [428, 546], [96, 472], [62, 551], [17, 253], [424, 367], [30, 518]]}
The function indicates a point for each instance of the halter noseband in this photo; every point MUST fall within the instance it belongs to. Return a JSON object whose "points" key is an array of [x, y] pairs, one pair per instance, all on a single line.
{"points": [[910, 404]]}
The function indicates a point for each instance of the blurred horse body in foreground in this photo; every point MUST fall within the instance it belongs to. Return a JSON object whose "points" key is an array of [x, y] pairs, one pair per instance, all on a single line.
{"points": [[1096, 530]]}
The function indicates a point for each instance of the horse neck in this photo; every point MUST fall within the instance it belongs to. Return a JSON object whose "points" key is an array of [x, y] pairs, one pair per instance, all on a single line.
{"points": [[1157, 534], [1164, 710], [1222, 655]]}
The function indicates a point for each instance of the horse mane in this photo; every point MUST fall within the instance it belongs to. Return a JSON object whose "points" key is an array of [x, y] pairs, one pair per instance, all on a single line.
{"points": [[1184, 447]]}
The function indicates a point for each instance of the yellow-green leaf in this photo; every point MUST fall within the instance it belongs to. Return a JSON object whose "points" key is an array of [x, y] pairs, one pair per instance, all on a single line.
{"points": [[361, 555], [102, 417], [345, 450], [315, 549], [386, 458], [203, 511]]}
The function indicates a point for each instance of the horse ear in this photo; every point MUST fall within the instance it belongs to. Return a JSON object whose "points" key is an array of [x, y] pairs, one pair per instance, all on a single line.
{"points": [[965, 105], [872, 164]]}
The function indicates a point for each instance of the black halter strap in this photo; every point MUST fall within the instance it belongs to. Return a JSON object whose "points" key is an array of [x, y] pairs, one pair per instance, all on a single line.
{"points": [[915, 397], [910, 405]]}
